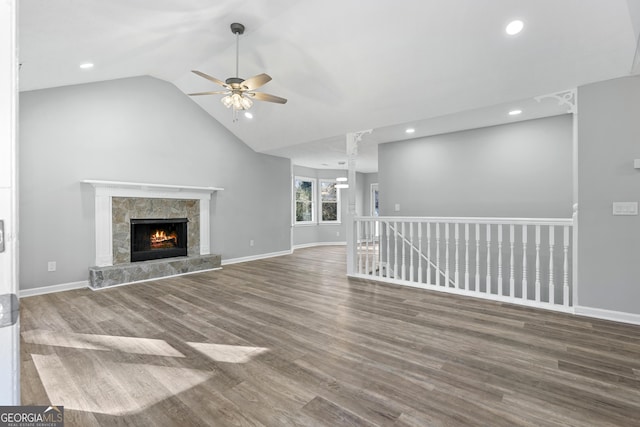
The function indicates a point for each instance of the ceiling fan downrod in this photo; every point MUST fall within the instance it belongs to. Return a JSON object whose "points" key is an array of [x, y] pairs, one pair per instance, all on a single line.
{"points": [[237, 29]]}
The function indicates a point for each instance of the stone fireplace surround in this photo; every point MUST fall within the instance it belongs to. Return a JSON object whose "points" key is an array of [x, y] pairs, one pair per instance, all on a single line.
{"points": [[116, 202]]}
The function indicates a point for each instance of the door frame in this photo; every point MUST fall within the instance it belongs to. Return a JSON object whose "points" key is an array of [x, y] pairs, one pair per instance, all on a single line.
{"points": [[9, 305]]}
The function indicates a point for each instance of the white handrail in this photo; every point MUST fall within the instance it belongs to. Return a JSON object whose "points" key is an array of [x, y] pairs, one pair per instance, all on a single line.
{"points": [[470, 220]]}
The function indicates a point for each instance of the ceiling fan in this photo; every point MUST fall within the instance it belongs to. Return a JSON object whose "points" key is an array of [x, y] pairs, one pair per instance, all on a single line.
{"points": [[240, 93]]}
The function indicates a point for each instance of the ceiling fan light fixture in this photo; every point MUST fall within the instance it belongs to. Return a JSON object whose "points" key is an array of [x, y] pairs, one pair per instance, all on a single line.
{"points": [[246, 102], [226, 101]]}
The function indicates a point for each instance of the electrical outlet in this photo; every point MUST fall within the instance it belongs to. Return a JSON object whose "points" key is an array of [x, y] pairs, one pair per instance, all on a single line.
{"points": [[250, 242], [51, 266], [338, 233]]}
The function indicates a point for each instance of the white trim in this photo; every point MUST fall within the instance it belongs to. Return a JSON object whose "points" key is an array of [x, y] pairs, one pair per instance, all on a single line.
{"points": [[601, 313], [53, 288], [256, 257], [313, 245], [337, 202], [474, 220], [154, 278], [105, 191], [140, 189], [314, 200]]}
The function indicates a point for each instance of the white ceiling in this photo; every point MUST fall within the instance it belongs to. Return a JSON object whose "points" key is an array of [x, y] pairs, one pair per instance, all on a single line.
{"points": [[344, 65]]}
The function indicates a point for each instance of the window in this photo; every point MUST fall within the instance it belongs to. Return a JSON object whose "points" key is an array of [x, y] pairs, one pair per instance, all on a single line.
{"points": [[305, 200], [329, 201]]}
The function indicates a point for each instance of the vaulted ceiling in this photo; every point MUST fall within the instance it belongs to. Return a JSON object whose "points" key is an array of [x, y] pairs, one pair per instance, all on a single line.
{"points": [[344, 65]]}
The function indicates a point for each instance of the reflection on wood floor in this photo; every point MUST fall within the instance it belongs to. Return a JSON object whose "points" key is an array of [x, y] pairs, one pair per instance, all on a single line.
{"points": [[290, 341]]}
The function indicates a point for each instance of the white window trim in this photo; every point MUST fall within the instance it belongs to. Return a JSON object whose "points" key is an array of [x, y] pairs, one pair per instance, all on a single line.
{"points": [[338, 204], [314, 200]]}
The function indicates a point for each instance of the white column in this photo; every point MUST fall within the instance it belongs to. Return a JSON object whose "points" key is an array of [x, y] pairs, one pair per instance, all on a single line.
{"points": [[353, 138], [104, 229], [205, 224], [570, 99]]}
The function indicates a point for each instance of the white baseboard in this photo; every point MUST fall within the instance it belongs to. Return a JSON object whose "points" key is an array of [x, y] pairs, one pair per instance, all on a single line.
{"points": [[53, 288], [312, 245], [255, 257], [616, 316]]}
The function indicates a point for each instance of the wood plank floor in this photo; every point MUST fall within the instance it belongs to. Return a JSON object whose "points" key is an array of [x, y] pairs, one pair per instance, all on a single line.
{"points": [[290, 341]]}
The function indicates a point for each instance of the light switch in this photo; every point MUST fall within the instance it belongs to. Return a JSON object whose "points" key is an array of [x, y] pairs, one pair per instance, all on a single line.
{"points": [[397, 207], [636, 163], [625, 208]]}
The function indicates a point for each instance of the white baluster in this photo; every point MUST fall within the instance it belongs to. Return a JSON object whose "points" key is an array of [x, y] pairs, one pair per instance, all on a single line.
{"points": [[512, 280], [388, 263], [500, 259], [537, 263], [358, 243], [466, 256], [395, 249], [477, 289], [488, 284], [379, 226], [419, 252], [456, 278], [565, 279], [446, 256], [552, 287], [404, 269], [374, 248], [411, 250], [366, 250], [525, 284], [438, 271], [429, 253]]}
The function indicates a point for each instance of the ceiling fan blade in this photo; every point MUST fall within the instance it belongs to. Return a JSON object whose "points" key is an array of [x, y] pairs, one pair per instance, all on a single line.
{"points": [[256, 81], [208, 93], [260, 96], [208, 77]]}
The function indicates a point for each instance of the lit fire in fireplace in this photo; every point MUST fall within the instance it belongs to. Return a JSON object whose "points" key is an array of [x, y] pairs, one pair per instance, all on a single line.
{"points": [[160, 239]]}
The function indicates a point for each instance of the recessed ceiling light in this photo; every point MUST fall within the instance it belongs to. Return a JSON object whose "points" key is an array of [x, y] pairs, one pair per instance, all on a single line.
{"points": [[410, 130], [86, 65], [248, 115], [514, 27], [515, 112]]}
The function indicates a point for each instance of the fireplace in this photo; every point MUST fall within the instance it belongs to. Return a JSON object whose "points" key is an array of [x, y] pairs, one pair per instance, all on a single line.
{"points": [[158, 238]]}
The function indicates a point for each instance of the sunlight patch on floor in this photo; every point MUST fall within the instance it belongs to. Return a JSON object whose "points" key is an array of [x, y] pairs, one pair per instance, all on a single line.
{"points": [[228, 353], [101, 342], [110, 387]]}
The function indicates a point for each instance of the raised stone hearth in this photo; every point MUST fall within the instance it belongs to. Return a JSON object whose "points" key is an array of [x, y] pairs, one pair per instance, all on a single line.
{"points": [[119, 202], [102, 277]]}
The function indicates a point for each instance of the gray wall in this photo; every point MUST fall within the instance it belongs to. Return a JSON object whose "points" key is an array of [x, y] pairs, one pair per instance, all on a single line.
{"points": [[367, 180], [321, 233], [521, 169], [142, 130], [609, 246]]}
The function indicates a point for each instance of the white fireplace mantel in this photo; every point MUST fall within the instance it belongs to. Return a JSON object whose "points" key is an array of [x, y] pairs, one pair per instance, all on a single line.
{"points": [[106, 190]]}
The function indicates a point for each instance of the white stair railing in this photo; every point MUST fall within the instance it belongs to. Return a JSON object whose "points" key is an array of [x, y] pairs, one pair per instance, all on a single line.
{"points": [[491, 258]]}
